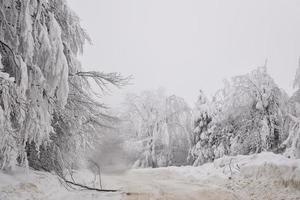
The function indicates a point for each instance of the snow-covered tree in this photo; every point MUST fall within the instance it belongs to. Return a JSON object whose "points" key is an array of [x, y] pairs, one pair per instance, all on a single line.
{"points": [[201, 151], [292, 141], [159, 127], [265, 102], [32, 54], [48, 111], [179, 127], [143, 115], [246, 116]]}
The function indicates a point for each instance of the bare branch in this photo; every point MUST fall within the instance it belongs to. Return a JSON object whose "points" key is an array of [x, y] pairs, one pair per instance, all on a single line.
{"points": [[102, 79]]}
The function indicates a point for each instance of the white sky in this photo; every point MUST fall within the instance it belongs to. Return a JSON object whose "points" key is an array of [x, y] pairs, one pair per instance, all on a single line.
{"points": [[187, 45]]}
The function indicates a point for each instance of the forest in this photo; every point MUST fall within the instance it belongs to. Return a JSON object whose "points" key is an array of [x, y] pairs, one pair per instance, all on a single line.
{"points": [[53, 119]]}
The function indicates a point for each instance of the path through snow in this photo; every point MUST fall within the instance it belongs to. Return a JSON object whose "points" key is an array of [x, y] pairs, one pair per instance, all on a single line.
{"points": [[165, 184]]}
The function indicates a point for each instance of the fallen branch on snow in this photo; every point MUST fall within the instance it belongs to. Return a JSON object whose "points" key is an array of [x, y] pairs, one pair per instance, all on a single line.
{"points": [[68, 183], [90, 188]]}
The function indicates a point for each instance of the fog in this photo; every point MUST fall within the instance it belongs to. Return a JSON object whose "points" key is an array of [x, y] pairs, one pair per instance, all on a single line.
{"points": [[185, 46]]}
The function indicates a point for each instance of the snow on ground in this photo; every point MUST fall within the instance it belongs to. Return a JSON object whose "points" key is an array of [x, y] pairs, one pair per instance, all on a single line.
{"points": [[35, 185], [261, 176]]}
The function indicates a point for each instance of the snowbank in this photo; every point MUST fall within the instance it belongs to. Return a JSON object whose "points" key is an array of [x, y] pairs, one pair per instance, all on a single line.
{"points": [[254, 177]]}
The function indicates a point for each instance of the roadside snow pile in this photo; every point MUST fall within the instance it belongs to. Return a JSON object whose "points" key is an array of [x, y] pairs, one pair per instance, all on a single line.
{"points": [[28, 185], [257, 165], [245, 165], [259, 176], [250, 177]]}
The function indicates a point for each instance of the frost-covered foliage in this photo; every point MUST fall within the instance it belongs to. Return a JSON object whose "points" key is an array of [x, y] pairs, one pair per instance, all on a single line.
{"points": [[48, 112], [158, 127], [244, 117]]}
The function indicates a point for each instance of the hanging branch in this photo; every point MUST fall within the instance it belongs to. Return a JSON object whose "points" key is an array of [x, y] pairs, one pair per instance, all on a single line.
{"points": [[102, 79], [12, 52]]}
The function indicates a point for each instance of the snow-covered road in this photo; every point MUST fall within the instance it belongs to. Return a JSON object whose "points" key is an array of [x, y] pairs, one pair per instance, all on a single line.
{"points": [[165, 184], [255, 177], [262, 176]]}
